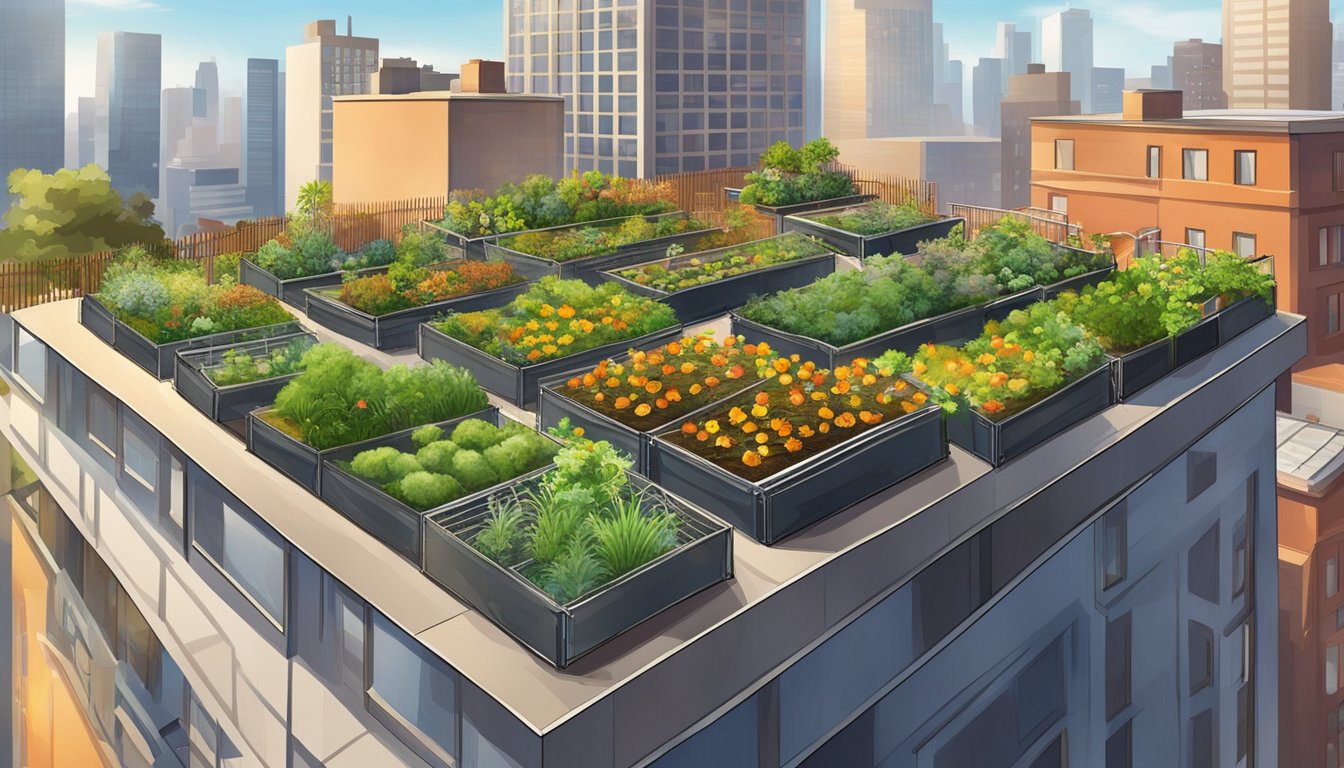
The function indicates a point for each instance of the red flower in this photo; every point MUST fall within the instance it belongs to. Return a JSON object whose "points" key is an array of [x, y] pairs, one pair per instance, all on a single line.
{"points": [[361, 405]]}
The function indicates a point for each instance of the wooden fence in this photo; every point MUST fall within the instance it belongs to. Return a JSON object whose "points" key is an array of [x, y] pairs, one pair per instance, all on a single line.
{"points": [[978, 218], [28, 283]]}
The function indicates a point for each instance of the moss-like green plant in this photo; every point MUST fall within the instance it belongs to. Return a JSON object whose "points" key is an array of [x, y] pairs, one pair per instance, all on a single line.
{"points": [[476, 435], [426, 490], [383, 465], [430, 433], [473, 471], [438, 456]]}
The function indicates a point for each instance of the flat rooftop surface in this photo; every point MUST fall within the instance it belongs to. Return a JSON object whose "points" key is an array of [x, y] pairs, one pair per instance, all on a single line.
{"points": [[822, 575], [1311, 456], [1232, 120]]}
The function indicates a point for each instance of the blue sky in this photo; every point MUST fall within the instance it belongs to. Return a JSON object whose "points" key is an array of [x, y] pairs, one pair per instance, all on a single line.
{"points": [[1129, 33]]}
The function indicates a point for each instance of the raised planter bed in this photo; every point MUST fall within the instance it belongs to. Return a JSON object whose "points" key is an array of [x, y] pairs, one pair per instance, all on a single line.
{"points": [[389, 520], [781, 212], [1000, 441], [519, 384], [160, 360], [703, 302], [1241, 316], [231, 402], [534, 267], [293, 291], [562, 633], [395, 330], [902, 241], [302, 462], [1141, 367], [818, 487], [947, 328], [472, 248]]}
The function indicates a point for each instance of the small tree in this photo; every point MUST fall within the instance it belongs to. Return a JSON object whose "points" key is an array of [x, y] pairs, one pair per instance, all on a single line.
{"points": [[817, 153], [71, 213], [315, 201]]}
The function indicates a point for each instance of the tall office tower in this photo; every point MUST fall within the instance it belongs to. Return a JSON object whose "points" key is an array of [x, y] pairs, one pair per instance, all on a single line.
{"points": [[1014, 47], [1066, 46], [947, 95], [1197, 71], [1035, 94], [261, 133], [87, 121], [126, 137], [661, 90], [1161, 75], [176, 119], [879, 74], [813, 109], [954, 92], [207, 96], [987, 91], [324, 65], [32, 85], [1108, 89], [1337, 70], [1277, 54]]}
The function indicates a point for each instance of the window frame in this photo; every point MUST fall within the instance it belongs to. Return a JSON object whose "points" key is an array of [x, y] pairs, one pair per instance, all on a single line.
{"points": [[1237, 176], [1153, 160], [1060, 161], [422, 744], [1188, 153], [1333, 308], [1203, 238], [1338, 171], [1254, 244], [19, 375]]}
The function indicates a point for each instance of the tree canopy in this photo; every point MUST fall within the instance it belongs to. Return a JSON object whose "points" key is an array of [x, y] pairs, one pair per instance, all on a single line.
{"points": [[70, 213]]}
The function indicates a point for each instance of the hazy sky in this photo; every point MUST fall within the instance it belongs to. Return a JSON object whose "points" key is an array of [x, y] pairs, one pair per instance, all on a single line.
{"points": [[1129, 33]]}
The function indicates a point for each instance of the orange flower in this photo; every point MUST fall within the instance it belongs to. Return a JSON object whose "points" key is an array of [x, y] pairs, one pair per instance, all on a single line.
{"points": [[565, 311], [599, 397], [622, 403], [908, 406], [724, 441], [781, 364], [750, 349], [361, 405], [824, 427], [643, 409], [653, 387], [806, 431], [751, 459], [952, 389], [589, 380], [534, 354], [736, 372], [668, 370], [993, 406], [986, 359], [737, 415], [672, 395], [574, 383], [842, 373], [845, 420], [660, 403], [920, 397], [613, 382], [797, 397], [674, 348], [841, 387], [1028, 356], [762, 438], [695, 389], [749, 427], [996, 342], [689, 428], [998, 379], [712, 381], [869, 417], [794, 445], [702, 435], [688, 368], [762, 398], [826, 413]]}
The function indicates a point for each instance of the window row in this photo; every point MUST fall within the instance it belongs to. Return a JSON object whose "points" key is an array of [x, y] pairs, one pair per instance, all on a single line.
{"points": [[1194, 163]]}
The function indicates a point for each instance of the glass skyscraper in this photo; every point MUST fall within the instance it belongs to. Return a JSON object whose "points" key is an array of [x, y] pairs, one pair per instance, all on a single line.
{"points": [[663, 86], [32, 85], [127, 110]]}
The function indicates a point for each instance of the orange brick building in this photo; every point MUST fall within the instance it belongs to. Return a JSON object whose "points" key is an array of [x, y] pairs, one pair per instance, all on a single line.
{"points": [[1251, 181]]}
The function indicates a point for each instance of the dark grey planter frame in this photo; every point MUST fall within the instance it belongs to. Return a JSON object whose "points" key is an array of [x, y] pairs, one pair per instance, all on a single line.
{"points": [[519, 384], [473, 248], [999, 442], [160, 360], [396, 330], [233, 402], [536, 267], [561, 634], [396, 524], [1139, 368], [949, 327], [781, 212], [703, 302], [94, 315], [299, 461], [792, 499], [897, 241], [293, 291]]}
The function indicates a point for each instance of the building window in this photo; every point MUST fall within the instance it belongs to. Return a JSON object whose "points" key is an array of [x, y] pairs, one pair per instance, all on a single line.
{"points": [[1243, 724], [1195, 164], [1331, 577], [1201, 471], [1339, 171], [412, 694], [238, 544], [1243, 245], [139, 451], [1332, 303], [1202, 566], [1240, 559], [1120, 747], [1244, 173], [1154, 162], [1201, 740], [1194, 238], [101, 418], [1064, 154], [1200, 644], [1118, 642], [1330, 244], [31, 363], [1059, 204], [1331, 669], [1114, 546]]}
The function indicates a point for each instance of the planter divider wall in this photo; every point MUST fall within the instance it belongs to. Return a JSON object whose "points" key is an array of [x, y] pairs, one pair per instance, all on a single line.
{"points": [[902, 241], [293, 291], [229, 403], [1137, 369], [519, 384], [95, 316], [396, 330], [560, 634], [781, 212], [805, 493]]}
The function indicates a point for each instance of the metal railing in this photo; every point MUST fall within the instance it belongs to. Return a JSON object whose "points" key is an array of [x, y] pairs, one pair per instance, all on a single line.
{"points": [[979, 217]]}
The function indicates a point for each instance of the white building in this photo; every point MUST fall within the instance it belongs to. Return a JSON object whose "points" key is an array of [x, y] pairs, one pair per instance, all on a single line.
{"points": [[1066, 46]]}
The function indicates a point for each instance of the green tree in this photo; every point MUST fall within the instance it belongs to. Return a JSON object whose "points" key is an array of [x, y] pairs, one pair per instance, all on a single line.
{"points": [[71, 213], [315, 200]]}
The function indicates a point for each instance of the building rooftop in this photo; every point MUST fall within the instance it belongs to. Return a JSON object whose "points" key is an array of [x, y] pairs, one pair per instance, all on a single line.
{"points": [[1311, 456], [783, 598], [447, 96], [1229, 120], [929, 139]]}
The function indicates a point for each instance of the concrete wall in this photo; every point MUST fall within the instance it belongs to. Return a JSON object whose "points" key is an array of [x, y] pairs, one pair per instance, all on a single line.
{"points": [[303, 118]]}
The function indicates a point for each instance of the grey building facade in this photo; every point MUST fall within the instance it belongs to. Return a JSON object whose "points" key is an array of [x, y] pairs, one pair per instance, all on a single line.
{"points": [[127, 110], [263, 137], [32, 85], [653, 88]]}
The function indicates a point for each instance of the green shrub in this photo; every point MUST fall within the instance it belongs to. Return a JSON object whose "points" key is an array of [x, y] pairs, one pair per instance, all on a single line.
{"points": [[476, 435], [438, 456], [430, 433], [383, 465], [426, 490], [473, 471], [789, 176]]}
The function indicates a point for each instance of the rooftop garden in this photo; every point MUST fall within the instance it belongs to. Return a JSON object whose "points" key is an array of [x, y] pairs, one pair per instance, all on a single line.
{"points": [[167, 300], [248, 363], [945, 275], [790, 176], [556, 318], [341, 398], [687, 271], [876, 217], [539, 202], [306, 248], [607, 237], [406, 285]]}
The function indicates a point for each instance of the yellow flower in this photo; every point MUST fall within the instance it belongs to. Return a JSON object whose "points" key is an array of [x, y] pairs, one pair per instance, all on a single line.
{"points": [[1017, 385], [826, 413], [565, 340], [546, 310], [759, 411], [762, 438], [643, 409], [566, 311], [764, 450], [711, 426], [615, 301]]}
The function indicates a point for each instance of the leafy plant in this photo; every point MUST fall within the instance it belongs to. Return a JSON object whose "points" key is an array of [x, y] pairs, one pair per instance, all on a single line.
{"points": [[426, 490], [581, 242], [631, 536], [790, 176], [575, 574], [246, 364], [877, 218], [675, 274], [501, 537], [540, 202]]}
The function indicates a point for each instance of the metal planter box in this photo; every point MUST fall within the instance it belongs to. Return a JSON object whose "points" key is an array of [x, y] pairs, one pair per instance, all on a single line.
{"points": [[390, 521], [298, 460], [161, 359], [703, 302], [587, 269], [947, 328], [999, 442], [292, 291], [95, 316], [519, 384], [560, 634], [1141, 367], [805, 493], [1241, 316], [553, 406], [396, 330], [781, 212], [472, 248], [233, 402], [902, 241]]}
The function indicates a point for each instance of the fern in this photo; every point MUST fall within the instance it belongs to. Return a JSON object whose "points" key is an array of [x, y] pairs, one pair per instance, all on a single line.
{"points": [[630, 537], [575, 574], [555, 526], [501, 539]]}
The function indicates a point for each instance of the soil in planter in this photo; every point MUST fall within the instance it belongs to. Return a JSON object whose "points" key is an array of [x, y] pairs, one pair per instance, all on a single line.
{"points": [[286, 426], [802, 412], [660, 385], [690, 271]]}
